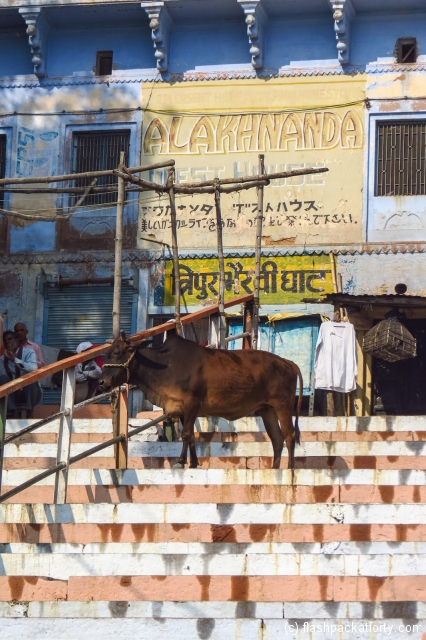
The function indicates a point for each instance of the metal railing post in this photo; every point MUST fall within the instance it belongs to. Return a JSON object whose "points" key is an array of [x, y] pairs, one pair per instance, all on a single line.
{"points": [[121, 426], [3, 413], [64, 436], [248, 324]]}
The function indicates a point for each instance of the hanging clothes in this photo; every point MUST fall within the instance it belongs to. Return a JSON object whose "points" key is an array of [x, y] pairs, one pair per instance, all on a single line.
{"points": [[336, 357]]}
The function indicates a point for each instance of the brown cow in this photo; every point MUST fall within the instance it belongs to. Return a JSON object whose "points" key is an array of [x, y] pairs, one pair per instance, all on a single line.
{"points": [[189, 381]]}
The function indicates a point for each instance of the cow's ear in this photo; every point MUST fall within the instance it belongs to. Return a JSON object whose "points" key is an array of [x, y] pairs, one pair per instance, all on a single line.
{"points": [[142, 344]]}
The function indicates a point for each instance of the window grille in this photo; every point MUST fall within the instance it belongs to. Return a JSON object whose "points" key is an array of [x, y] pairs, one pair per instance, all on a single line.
{"points": [[98, 151], [401, 159], [2, 165]]}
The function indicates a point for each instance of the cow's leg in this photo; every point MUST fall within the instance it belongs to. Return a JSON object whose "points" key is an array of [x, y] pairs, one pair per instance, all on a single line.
{"points": [[289, 433], [270, 420], [188, 440], [180, 464], [189, 425]]}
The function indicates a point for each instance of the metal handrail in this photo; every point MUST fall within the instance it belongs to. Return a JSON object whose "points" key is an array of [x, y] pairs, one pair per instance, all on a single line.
{"points": [[67, 407], [77, 458], [55, 416], [39, 374]]}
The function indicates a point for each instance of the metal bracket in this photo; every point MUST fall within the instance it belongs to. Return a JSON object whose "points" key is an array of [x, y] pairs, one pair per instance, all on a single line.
{"points": [[37, 37], [343, 14], [160, 25], [256, 20]]}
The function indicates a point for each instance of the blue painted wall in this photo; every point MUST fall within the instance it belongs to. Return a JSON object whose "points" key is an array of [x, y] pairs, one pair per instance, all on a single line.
{"points": [[14, 54], [376, 37], [201, 45], [286, 43], [75, 50], [38, 236]]}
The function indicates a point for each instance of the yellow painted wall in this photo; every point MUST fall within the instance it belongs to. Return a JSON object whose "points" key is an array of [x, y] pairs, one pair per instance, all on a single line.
{"points": [[217, 129]]}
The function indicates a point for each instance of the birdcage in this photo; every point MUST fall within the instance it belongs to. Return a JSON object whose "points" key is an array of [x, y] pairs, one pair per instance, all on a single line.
{"points": [[390, 340]]}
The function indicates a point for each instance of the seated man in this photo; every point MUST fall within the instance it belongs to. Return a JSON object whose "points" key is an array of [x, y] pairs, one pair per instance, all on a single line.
{"points": [[14, 363], [86, 375]]}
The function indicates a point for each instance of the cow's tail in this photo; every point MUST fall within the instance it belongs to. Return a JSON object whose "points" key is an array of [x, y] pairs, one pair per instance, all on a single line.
{"points": [[299, 405]]}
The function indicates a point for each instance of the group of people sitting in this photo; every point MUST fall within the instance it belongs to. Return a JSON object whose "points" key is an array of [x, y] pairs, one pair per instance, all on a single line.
{"points": [[21, 356]]}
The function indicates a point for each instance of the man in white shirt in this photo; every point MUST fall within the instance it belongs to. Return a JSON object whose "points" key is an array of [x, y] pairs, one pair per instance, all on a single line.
{"points": [[16, 362], [21, 332]]}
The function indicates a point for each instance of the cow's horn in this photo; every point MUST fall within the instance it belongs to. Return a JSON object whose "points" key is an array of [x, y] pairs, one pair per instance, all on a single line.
{"points": [[122, 335]]}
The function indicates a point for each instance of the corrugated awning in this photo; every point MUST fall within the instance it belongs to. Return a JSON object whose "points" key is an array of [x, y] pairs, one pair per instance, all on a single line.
{"points": [[346, 299]]}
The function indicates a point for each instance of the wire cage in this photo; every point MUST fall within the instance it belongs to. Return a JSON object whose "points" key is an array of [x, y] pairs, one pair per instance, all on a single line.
{"points": [[390, 340]]}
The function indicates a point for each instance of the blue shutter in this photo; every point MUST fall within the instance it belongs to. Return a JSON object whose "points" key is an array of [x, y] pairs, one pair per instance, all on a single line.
{"points": [[81, 313]]}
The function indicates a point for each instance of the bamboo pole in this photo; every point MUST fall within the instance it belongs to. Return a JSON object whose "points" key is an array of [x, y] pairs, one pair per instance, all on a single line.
{"points": [[149, 186], [231, 189], [258, 252], [87, 174], [333, 271], [221, 341], [82, 197], [72, 190], [268, 176], [118, 266], [170, 188]]}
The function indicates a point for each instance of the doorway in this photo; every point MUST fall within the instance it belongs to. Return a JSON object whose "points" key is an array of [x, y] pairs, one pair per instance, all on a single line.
{"points": [[399, 388]]}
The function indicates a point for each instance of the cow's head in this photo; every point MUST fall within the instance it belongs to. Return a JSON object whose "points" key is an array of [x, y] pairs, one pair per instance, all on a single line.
{"points": [[118, 362]]}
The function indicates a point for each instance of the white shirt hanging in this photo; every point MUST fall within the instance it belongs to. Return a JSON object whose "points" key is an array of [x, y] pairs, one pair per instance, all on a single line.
{"points": [[336, 357]]}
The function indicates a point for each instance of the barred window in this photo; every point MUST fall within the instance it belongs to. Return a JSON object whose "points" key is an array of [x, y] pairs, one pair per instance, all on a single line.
{"points": [[401, 158], [99, 151], [2, 165]]}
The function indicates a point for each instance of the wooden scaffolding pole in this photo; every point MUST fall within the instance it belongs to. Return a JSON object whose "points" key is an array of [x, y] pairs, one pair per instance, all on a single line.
{"points": [[221, 341], [175, 251], [118, 267], [258, 251]]}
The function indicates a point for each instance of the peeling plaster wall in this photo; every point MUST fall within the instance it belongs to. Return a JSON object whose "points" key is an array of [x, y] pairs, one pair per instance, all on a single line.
{"points": [[41, 145], [396, 96], [310, 77], [378, 274]]}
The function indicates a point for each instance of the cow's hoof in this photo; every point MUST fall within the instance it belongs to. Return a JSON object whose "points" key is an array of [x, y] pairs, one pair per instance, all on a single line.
{"points": [[178, 465]]}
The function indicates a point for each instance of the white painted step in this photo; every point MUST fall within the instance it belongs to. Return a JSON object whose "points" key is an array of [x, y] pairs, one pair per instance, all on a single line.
{"points": [[227, 449], [317, 423], [62, 566], [275, 477]]}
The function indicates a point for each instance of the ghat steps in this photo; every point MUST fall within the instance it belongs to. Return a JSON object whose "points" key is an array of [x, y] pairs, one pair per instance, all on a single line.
{"points": [[230, 550]]}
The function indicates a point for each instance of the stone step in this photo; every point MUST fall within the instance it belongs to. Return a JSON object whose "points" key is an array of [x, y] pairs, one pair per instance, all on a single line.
{"points": [[62, 566], [214, 514], [83, 533], [123, 622]]}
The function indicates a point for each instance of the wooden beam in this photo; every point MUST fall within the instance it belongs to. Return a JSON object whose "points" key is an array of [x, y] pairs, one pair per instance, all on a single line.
{"points": [[121, 427], [87, 174], [175, 251], [221, 340], [266, 176], [257, 253], [118, 259]]}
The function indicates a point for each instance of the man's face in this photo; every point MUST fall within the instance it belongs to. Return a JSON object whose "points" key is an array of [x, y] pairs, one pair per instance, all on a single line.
{"points": [[21, 332], [11, 343]]}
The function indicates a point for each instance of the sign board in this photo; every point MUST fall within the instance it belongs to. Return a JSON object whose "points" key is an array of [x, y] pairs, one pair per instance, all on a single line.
{"points": [[283, 280], [217, 130]]}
